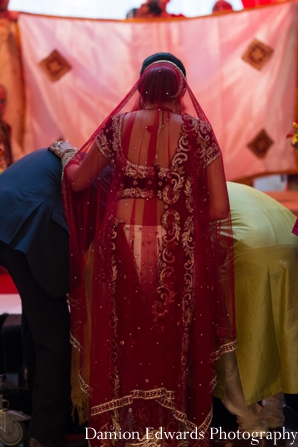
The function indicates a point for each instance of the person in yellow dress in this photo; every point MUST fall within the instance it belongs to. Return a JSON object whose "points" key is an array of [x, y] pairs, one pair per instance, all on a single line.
{"points": [[266, 290]]}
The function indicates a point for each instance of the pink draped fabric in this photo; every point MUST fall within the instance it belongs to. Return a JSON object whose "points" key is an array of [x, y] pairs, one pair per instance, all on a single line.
{"points": [[239, 99]]}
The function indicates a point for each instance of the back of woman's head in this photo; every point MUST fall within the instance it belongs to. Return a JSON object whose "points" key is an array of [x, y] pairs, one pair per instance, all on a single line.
{"points": [[159, 84], [161, 81], [162, 57]]}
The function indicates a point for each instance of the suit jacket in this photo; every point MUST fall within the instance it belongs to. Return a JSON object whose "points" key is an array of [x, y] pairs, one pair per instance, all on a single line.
{"points": [[32, 219]]}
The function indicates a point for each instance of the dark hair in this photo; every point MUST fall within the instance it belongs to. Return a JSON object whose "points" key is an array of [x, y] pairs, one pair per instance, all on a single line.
{"points": [[131, 13], [159, 84], [154, 8], [162, 57]]}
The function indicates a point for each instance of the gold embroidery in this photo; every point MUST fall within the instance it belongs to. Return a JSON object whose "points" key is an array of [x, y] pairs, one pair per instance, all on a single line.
{"points": [[134, 170], [166, 297], [135, 394], [148, 440], [162, 173], [83, 385], [188, 193], [117, 128], [228, 347], [114, 372], [136, 192], [171, 193], [164, 397], [170, 221], [178, 231], [188, 238], [113, 429], [108, 145], [207, 147], [75, 343], [102, 142]]}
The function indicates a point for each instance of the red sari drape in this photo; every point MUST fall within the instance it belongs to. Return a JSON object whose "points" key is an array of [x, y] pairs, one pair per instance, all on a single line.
{"points": [[151, 276]]}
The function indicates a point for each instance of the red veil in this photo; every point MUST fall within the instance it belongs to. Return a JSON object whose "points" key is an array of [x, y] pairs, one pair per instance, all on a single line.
{"points": [[151, 275]]}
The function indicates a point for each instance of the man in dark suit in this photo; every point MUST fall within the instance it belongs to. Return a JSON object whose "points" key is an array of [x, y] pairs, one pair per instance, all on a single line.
{"points": [[34, 250]]}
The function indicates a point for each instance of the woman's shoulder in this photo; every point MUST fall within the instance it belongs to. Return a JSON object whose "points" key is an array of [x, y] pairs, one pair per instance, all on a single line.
{"points": [[196, 124]]}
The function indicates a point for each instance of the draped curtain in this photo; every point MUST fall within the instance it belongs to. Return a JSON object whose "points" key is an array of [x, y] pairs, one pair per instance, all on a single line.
{"points": [[241, 66]]}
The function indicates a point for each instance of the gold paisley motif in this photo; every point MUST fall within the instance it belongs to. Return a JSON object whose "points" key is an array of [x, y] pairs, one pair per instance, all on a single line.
{"points": [[166, 273], [179, 158], [159, 307], [171, 222], [171, 193], [167, 256]]}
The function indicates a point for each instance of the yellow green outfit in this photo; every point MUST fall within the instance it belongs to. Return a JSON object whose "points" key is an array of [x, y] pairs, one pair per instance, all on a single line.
{"points": [[266, 291]]}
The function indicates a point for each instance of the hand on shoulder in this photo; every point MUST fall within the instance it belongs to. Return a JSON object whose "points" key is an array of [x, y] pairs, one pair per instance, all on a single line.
{"points": [[59, 148]]}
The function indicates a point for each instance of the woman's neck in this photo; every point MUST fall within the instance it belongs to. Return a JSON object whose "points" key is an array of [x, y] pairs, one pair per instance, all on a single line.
{"points": [[170, 106]]}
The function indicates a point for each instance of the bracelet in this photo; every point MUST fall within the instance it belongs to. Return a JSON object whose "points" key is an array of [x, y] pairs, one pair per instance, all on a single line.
{"points": [[66, 157], [57, 146]]}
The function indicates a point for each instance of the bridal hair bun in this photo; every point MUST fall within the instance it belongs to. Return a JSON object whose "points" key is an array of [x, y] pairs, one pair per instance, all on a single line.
{"points": [[158, 57], [161, 82]]}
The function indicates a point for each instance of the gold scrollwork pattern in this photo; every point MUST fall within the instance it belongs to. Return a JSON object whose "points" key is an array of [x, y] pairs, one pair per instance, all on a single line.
{"points": [[171, 222], [137, 193], [109, 147], [173, 185], [171, 192], [134, 170], [113, 360], [207, 147], [188, 194], [166, 296]]}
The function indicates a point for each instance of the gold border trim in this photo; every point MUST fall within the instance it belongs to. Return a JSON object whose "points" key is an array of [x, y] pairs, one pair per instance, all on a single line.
{"points": [[75, 343], [162, 396], [227, 347]]}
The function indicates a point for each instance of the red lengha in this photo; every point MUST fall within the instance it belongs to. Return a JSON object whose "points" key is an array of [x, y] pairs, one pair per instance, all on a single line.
{"points": [[151, 273]]}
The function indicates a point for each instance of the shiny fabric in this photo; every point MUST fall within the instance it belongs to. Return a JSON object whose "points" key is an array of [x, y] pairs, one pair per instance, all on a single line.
{"points": [[159, 310], [266, 290]]}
